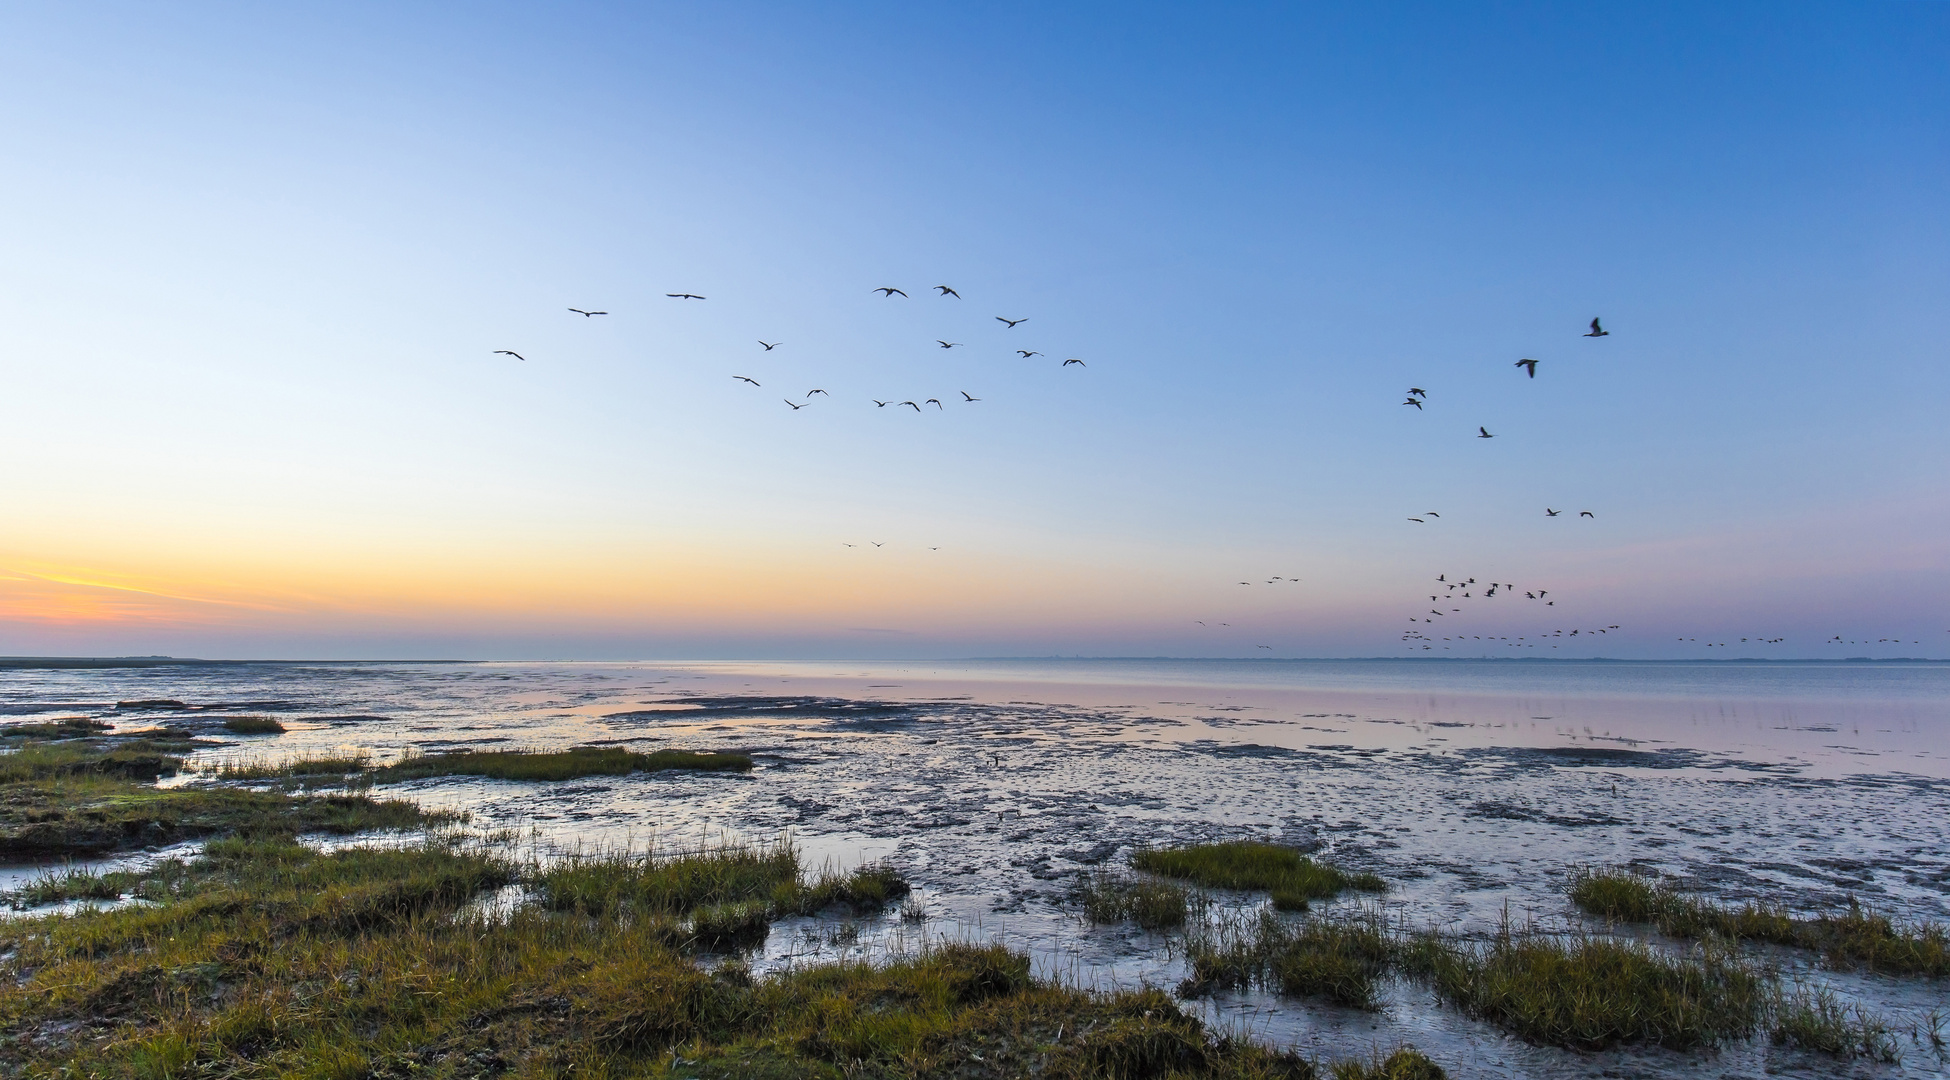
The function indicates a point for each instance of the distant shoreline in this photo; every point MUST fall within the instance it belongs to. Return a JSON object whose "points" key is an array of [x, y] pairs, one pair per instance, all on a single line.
{"points": [[86, 663]]}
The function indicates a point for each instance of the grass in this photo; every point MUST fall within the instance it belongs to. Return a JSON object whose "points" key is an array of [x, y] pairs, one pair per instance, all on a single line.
{"points": [[1406, 1063], [301, 769], [1293, 879], [63, 727], [1592, 993], [267, 958], [1857, 937], [130, 759], [1337, 960], [577, 761], [1108, 897], [252, 725], [726, 881], [1815, 1019]]}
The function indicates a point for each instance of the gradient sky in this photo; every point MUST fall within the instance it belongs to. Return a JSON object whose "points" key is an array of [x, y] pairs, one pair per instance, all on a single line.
{"points": [[256, 260]]}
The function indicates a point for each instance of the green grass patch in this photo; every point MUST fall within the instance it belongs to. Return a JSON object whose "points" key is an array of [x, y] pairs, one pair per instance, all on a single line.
{"points": [[648, 886], [62, 727], [577, 761], [1108, 897], [1592, 993], [1857, 937], [1293, 879], [1815, 1019], [267, 958], [130, 759], [1337, 960], [252, 725], [1406, 1063]]}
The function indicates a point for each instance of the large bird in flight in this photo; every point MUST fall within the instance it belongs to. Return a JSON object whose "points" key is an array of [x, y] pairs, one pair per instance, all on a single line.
{"points": [[770, 345], [683, 296], [966, 396], [946, 291], [946, 344], [742, 378], [1026, 354], [1598, 331], [1484, 433], [911, 405], [509, 352], [587, 314], [1074, 360], [1528, 365], [1413, 401], [887, 291], [1012, 322]]}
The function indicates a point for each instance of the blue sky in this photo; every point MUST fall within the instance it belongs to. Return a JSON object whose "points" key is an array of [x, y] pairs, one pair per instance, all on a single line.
{"points": [[258, 261]]}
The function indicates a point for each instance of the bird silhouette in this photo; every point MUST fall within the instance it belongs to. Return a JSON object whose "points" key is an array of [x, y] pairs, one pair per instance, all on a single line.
{"points": [[1598, 331], [1430, 513], [882, 404], [1416, 391], [1548, 512], [1074, 360], [1026, 354], [876, 543], [683, 296], [587, 314], [1587, 513], [966, 397], [934, 401], [946, 344], [795, 407], [1012, 322], [770, 345], [1484, 433], [946, 291], [743, 378], [887, 291], [911, 405], [1414, 402], [1418, 521], [509, 352], [1528, 365], [810, 393]]}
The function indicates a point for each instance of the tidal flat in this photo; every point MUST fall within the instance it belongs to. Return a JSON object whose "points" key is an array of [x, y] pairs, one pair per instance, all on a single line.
{"points": [[1455, 812]]}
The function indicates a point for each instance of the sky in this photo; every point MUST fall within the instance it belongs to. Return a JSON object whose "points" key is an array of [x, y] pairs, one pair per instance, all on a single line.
{"points": [[256, 262]]}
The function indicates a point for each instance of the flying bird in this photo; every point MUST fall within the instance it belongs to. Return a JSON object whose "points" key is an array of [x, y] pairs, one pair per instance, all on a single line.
{"points": [[1587, 513], [810, 393], [876, 543], [1430, 513], [1074, 360], [946, 291], [946, 344], [1598, 331], [1012, 322], [1026, 354], [742, 378], [966, 397], [683, 296], [911, 405], [795, 407], [769, 346], [887, 292], [586, 314], [1548, 512], [1414, 402], [1416, 391], [882, 404], [1528, 365], [934, 401], [1418, 521], [1484, 433], [509, 352]]}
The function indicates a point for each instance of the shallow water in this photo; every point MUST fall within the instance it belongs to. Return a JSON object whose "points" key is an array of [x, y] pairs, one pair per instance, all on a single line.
{"points": [[1472, 786]]}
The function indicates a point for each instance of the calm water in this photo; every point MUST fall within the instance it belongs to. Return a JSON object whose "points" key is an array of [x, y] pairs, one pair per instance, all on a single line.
{"points": [[1473, 786]]}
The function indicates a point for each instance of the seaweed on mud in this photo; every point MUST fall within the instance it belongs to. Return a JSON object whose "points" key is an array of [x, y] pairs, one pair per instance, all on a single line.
{"points": [[252, 725]]}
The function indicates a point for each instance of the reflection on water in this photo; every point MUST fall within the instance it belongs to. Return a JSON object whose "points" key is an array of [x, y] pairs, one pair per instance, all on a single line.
{"points": [[1472, 786]]}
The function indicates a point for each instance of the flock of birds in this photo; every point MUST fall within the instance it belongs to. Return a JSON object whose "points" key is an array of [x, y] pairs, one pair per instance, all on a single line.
{"points": [[887, 292]]}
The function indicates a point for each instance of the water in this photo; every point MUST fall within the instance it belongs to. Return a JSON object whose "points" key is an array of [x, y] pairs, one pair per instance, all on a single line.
{"points": [[1472, 786]]}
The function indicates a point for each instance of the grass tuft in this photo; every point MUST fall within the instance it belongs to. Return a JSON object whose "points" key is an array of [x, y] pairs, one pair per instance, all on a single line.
{"points": [[1109, 897], [1815, 1019], [1337, 960], [1406, 1063], [252, 725], [1292, 878], [1857, 937]]}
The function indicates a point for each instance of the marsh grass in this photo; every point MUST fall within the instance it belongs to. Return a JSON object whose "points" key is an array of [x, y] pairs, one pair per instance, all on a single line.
{"points": [[1293, 879], [1406, 1063], [62, 727], [1340, 960], [252, 725], [1857, 937], [1109, 897], [129, 759], [1815, 1019], [577, 761], [298, 770], [1589, 993], [626, 884], [275, 959]]}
